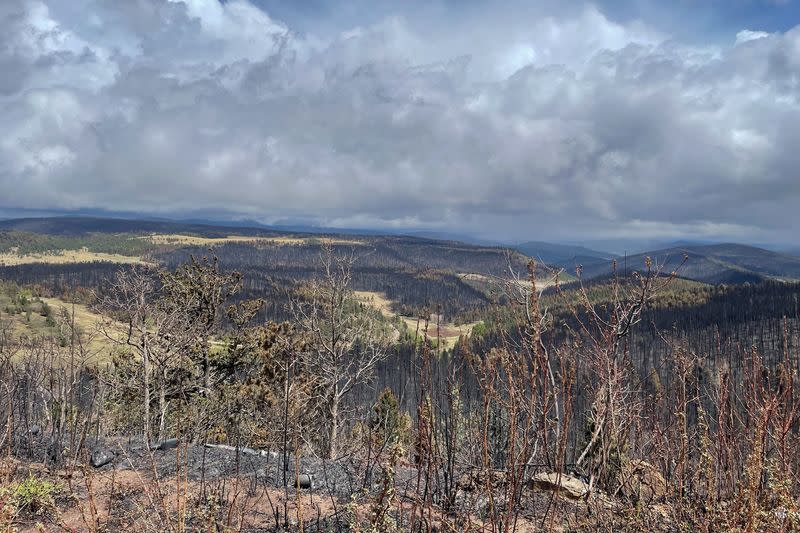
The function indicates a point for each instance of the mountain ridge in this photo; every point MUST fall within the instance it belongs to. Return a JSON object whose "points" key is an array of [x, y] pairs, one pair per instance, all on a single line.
{"points": [[712, 263]]}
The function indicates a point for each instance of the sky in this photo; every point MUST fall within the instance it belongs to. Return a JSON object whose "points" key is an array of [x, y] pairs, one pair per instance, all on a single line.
{"points": [[512, 120]]}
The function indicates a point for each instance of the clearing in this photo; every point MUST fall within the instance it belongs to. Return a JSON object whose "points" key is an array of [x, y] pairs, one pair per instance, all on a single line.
{"points": [[484, 281], [66, 256], [448, 332], [24, 315], [193, 240]]}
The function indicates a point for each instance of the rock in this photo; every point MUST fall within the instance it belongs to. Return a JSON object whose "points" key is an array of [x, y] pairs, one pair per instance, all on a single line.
{"points": [[484, 505], [564, 484], [101, 457], [243, 450], [305, 481], [212, 472], [169, 444], [640, 481]]}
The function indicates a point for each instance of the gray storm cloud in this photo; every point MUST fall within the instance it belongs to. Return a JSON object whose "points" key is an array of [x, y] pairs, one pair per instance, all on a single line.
{"points": [[576, 126]]}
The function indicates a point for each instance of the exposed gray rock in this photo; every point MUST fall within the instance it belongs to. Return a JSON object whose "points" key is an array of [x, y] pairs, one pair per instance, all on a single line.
{"points": [[243, 449], [212, 472], [169, 444], [305, 481], [101, 457], [566, 485]]}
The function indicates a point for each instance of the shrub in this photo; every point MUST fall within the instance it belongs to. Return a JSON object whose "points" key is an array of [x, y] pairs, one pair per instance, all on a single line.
{"points": [[390, 426], [32, 496], [479, 330]]}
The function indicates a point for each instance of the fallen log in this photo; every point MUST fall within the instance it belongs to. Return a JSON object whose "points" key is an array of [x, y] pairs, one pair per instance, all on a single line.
{"points": [[243, 450]]}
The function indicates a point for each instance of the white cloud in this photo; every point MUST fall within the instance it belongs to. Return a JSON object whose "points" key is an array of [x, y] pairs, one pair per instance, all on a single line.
{"points": [[749, 35], [572, 124]]}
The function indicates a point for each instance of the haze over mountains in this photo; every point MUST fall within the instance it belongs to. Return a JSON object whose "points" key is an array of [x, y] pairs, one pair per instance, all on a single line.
{"points": [[563, 255]]}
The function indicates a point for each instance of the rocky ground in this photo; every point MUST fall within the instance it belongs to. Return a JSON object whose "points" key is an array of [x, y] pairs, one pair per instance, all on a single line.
{"points": [[118, 485]]}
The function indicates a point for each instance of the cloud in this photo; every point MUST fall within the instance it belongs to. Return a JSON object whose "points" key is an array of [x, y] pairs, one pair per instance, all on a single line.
{"points": [[750, 35], [571, 126]]}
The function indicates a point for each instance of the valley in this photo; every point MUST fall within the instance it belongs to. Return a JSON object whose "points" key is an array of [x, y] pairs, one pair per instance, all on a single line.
{"points": [[244, 339], [446, 334]]}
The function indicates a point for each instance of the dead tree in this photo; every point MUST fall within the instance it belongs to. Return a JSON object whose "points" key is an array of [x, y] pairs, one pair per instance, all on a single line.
{"points": [[131, 302], [345, 343], [165, 320], [604, 330]]}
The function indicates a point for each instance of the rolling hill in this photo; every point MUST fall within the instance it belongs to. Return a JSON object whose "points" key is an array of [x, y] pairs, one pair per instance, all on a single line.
{"points": [[716, 263], [562, 255], [416, 274]]}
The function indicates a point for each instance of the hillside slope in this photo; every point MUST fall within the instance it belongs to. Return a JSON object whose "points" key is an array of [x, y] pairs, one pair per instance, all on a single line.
{"points": [[562, 255], [417, 274], [717, 263]]}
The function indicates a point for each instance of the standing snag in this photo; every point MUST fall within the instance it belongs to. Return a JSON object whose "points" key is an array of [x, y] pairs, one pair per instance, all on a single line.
{"points": [[345, 343]]}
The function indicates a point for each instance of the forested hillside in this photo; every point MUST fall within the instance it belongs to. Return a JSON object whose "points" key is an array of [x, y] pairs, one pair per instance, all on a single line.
{"points": [[270, 371], [719, 263], [420, 276]]}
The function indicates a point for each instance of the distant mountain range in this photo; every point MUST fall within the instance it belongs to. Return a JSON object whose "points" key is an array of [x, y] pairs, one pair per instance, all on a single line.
{"points": [[715, 263], [82, 225], [562, 255], [709, 263]]}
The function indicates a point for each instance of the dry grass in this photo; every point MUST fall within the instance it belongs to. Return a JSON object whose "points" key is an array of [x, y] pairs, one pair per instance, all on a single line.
{"points": [[60, 257], [448, 332], [96, 345], [66, 256], [193, 240], [89, 322], [377, 300], [523, 282]]}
